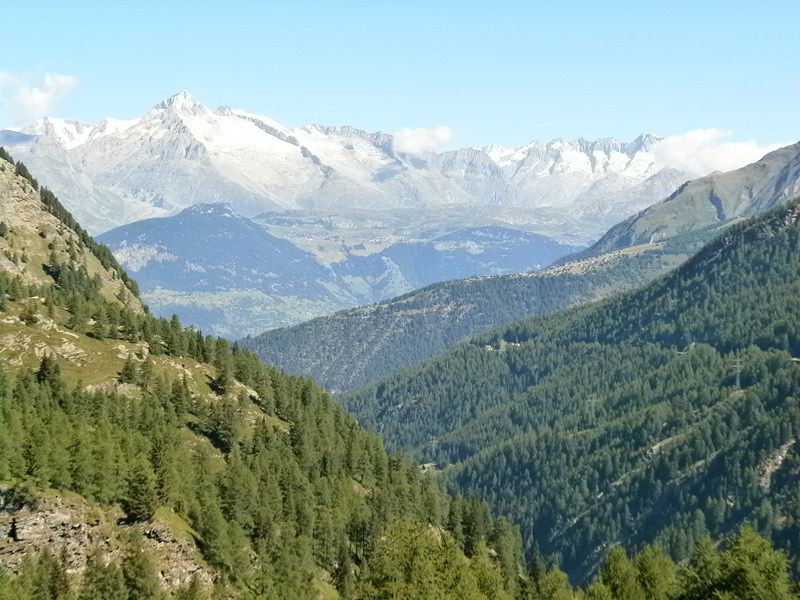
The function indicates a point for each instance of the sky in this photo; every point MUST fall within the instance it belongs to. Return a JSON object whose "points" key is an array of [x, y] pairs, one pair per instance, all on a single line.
{"points": [[439, 73]]}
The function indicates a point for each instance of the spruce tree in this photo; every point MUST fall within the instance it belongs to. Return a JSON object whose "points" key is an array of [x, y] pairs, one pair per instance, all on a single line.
{"points": [[130, 371], [49, 370], [657, 574], [620, 576], [141, 496], [102, 581], [139, 572]]}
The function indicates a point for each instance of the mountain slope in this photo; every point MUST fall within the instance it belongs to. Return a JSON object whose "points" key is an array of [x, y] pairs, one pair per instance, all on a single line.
{"points": [[139, 458], [268, 261], [630, 254], [460, 254], [712, 200], [372, 341], [39, 232], [659, 414], [228, 275], [222, 272]]}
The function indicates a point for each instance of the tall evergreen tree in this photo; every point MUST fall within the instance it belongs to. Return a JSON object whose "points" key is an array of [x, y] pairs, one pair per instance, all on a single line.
{"points": [[141, 496]]}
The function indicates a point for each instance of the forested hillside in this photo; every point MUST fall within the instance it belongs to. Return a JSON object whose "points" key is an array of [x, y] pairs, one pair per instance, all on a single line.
{"points": [[372, 341], [659, 415], [140, 459]]}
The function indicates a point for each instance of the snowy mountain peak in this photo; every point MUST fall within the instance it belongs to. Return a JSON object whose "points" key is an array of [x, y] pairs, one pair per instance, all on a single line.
{"points": [[644, 142], [182, 151], [109, 126], [558, 148], [69, 133], [183, 103]]}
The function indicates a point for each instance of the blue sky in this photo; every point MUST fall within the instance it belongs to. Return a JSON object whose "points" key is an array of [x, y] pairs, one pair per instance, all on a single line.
{"points": [[504, 72]]}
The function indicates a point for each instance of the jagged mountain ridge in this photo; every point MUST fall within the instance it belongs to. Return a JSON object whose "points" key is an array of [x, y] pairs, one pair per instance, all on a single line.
{"points": [[181, 153]]}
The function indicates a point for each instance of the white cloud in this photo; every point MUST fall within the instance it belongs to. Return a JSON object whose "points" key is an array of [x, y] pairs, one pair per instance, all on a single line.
{"points": [[703, 151], [25, 97], [414, 141]]}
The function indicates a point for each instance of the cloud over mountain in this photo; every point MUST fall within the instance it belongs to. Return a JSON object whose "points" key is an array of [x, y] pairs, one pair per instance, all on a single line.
{"points": [[705, 151], [27, 96], [422, 139]]}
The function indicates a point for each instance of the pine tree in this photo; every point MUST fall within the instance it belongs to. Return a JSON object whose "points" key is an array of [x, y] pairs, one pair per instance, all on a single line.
{"points": [[489, 579], [700, 578], [141, 497], [752, 569], [139, 572], [620, 576], [47, 577], [130, 371], [657, 574], [29, 314], [102, 581], [49, 370], [343, 575], [555, 586], [597, 591], [146, 373]]}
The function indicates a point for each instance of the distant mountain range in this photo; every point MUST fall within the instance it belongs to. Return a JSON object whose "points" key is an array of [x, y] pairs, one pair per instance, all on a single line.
{"points": [[182, 153], [377, 340], [228, 275], [379, 222]]}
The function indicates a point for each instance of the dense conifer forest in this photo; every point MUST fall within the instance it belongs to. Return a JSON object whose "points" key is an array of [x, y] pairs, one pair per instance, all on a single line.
{"points": [[661, 415], [371, 342], [280, 488], [285, 496]]}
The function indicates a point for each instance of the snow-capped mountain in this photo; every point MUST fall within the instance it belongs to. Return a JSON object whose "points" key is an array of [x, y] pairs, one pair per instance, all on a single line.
{"points": [[181, 153], [367, 220]]}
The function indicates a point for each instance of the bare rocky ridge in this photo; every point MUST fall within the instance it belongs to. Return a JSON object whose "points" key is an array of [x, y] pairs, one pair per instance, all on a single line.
{"points": [[68, 526]]}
